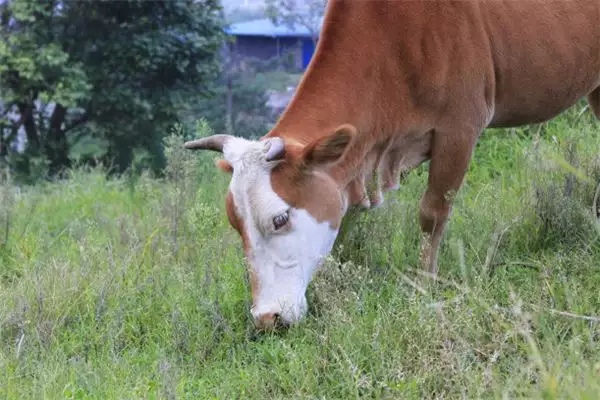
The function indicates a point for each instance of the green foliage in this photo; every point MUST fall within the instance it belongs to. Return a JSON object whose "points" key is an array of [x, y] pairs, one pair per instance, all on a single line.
{"points": [[115, 74], [111, 288], [240, 94], [307, 14], [242, 15], [249, 110]]}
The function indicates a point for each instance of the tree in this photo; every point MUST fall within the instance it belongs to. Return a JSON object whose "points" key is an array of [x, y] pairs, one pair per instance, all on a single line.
{"points": [[294, 13], [117, 72], [239, 105]]}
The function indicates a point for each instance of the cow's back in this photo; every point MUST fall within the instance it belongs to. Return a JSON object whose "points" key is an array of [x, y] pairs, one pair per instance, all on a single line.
{"points": [[546, 56], [391, 66], [503, 61]]}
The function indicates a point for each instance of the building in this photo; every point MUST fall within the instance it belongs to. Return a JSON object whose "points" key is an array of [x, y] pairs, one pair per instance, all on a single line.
{"points": [[262, 39]]}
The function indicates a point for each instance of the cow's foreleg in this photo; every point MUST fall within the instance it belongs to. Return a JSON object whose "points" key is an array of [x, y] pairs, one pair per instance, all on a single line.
{"points": [[450, 157], [594, 100]]}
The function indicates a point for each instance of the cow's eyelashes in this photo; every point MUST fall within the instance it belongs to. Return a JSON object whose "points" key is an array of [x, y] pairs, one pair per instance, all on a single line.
{"points": [[281, 220]]}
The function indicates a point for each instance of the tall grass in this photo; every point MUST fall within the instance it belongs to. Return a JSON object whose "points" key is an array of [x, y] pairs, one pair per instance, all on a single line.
{"points": [[123, 288]]}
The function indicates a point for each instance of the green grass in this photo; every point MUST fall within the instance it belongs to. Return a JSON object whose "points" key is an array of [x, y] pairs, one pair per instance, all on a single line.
{"points": [[134, 288]]}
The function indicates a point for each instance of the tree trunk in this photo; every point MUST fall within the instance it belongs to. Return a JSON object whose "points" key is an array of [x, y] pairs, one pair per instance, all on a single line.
{"points": [[3, 149], [33, 139], [229, 113], [57, 148]]}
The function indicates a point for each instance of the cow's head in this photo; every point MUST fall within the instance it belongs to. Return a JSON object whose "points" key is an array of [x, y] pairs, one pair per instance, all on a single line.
{"points": [[287, 208]]}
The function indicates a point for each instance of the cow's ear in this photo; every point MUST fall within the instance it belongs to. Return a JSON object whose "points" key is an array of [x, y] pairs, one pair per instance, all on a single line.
{"points": [[330, 148]]}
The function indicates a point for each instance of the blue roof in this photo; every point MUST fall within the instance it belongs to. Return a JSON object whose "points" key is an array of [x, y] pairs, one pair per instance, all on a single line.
{"points": [[264, 27]]}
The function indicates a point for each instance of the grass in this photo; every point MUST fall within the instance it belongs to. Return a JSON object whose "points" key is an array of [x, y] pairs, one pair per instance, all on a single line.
{"points": [[134, 287]]}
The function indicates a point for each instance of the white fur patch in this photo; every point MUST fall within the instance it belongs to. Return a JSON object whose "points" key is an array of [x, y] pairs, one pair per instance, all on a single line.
{"points": [[283, 261], [285, 264]]}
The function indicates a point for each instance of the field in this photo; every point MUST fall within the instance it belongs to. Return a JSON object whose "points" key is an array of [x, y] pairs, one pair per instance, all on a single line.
{"points": [[134, 287]]}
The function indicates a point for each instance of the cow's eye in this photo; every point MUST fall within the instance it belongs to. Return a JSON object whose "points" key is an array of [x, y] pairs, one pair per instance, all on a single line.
{"points": [[280, 220]]}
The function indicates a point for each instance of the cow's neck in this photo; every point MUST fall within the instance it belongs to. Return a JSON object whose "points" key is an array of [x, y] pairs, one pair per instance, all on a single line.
{"points": [[337, 87], [344, 85], [331, 93], [324, 100]]}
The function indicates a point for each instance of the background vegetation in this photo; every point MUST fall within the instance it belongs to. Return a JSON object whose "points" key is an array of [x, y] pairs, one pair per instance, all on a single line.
{"points": [[102, 82], [135, 288], [121, 278]]}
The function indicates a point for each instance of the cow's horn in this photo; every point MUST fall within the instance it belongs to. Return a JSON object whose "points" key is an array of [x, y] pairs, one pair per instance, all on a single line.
{"points": [[275, 149], [214, 143]]}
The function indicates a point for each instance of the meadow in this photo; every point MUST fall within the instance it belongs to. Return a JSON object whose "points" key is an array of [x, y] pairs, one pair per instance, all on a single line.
{"points": [[134, 287]]}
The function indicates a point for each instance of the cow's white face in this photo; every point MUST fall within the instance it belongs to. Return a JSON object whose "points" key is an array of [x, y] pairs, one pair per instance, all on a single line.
{"points": [[287, 211]]}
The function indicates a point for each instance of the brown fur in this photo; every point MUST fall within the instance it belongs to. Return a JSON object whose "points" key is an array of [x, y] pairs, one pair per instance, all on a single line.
{"points": [[395, 83], [224, 166], [329, 148], [315, 193], [420, 80], [301, 176]]}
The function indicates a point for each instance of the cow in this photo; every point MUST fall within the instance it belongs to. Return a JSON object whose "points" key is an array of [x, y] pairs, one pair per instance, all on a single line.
{"points": [[393, 84]]}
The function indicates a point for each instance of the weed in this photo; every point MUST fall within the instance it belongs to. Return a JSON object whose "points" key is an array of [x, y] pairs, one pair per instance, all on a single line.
{"points": [[136, 288]]}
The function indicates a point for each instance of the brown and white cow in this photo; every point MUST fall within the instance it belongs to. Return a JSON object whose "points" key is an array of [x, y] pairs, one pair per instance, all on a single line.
{"points": [[391, 85]]}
